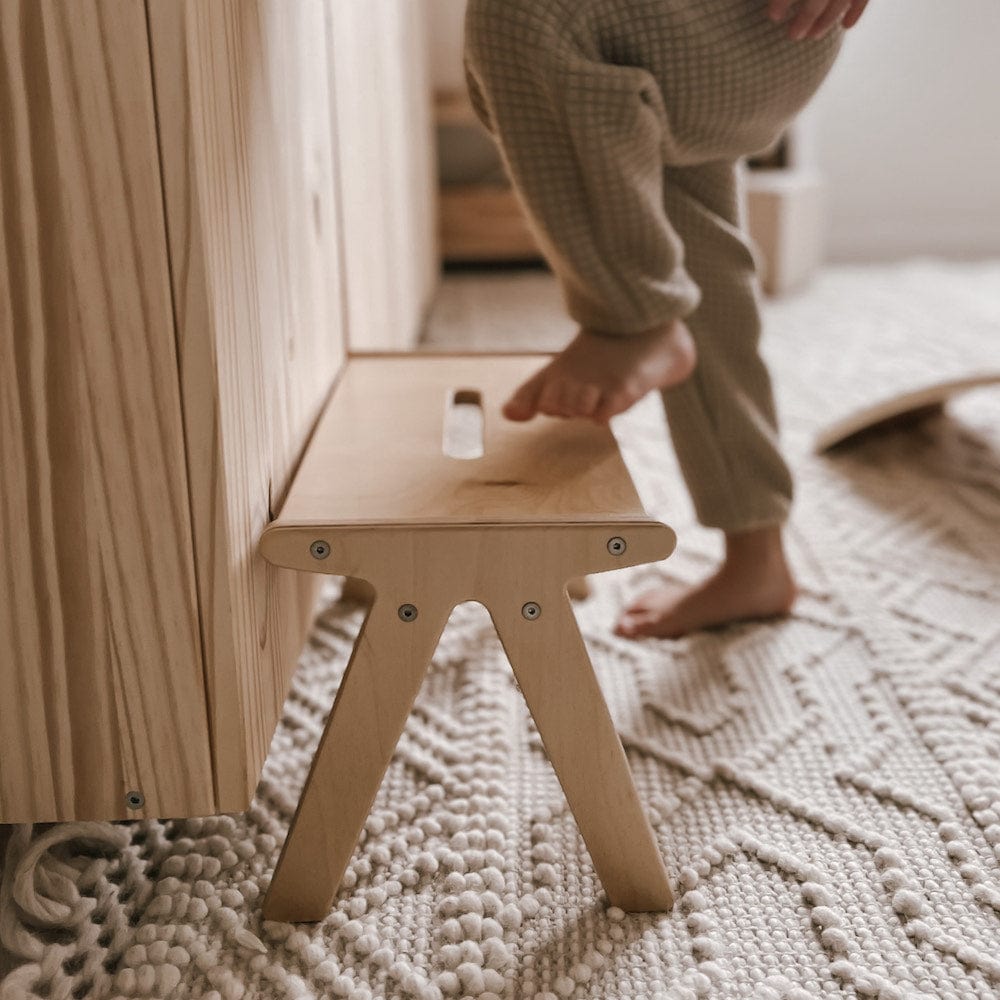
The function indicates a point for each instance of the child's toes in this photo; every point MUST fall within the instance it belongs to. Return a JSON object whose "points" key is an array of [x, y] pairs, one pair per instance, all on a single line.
{"points": [[646, 615], [586, 400], [619, 400], [554, 399], [523, 405], [631, 623], [612, 403]]}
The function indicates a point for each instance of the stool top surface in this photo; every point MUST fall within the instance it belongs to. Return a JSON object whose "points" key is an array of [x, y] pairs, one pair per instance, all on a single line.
{"points": [[377, 455]]}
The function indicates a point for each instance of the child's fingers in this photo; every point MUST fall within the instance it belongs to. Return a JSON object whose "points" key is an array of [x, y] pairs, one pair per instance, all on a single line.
{"points": [[829, 18], [853, 15], [805, 17]]}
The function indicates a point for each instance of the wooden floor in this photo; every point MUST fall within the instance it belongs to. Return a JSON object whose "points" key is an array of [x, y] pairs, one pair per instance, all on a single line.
{"points": [[501, 309]]}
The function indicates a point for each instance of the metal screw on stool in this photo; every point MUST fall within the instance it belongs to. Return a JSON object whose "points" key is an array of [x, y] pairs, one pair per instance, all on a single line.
{"points": [[319, 549], [616, 545], [408, 613], [531, 611], [135, 799]]}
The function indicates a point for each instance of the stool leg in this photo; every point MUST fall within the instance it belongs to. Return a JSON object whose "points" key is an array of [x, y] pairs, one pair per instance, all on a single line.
{"points": [[555, 674], [376, 694]]}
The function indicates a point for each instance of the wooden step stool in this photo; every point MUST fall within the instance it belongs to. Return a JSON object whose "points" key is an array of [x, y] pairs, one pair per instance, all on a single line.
{"points": [[376, 498]]}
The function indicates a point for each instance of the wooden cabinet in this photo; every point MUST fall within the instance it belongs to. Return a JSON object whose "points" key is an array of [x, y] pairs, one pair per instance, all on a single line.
{"points": [[176, 294]]}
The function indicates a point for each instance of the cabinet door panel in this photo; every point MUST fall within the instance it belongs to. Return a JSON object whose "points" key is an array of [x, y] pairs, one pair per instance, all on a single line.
{"points": [[246, 137], [101, 683]]}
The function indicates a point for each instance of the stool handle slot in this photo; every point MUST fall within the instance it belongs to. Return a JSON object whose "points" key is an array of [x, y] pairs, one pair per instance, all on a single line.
{"points": [[462, 436]]}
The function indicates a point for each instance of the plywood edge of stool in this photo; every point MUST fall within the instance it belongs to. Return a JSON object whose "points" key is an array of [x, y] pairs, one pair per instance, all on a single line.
{"points": [[371, 552]]}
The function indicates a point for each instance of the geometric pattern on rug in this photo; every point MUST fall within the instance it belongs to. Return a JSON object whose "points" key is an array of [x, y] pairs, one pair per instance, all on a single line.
{"points": [[825, 789]]}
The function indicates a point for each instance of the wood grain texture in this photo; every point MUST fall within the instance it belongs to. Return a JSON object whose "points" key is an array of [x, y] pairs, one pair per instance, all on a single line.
{"points": [[377, 456], [101, 685], [435, 568], [384, 121], [554, 672], [248, 150], [372, 703], [173, 319]]}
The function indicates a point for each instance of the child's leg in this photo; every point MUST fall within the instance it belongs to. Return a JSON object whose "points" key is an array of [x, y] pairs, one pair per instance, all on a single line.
{"points": [[582, 140], [722, 421], [585, 142]]}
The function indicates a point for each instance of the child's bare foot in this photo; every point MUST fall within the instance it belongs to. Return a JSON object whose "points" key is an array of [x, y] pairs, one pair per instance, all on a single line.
{"points": [[598, 376], [754, 581]]}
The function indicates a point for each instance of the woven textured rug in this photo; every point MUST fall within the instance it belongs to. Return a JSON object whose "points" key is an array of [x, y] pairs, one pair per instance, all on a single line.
{"points": [[825, 789]]}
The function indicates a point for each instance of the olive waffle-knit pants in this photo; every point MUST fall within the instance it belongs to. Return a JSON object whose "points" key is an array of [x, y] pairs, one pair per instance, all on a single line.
{"points": [[621, 124]]}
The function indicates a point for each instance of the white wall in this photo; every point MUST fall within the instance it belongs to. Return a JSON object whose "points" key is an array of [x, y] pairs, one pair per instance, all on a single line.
{"points": [[907, 131]]}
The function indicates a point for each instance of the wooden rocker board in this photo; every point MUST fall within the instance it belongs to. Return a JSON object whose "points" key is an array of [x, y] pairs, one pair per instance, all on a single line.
{"points": [[899, 408], [376, 498]]}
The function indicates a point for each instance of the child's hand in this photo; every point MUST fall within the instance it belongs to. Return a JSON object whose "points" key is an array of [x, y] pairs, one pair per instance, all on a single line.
{"points": [[815, 18]]}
